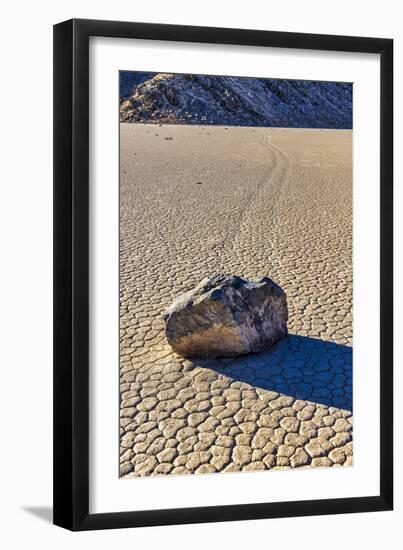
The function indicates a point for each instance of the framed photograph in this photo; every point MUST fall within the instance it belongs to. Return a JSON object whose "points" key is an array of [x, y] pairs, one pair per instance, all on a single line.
{"points": [[223, 236]]}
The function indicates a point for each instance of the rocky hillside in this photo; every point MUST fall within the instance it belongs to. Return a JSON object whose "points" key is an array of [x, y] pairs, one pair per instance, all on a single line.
{"points": [[129, 80], [193, 99]]}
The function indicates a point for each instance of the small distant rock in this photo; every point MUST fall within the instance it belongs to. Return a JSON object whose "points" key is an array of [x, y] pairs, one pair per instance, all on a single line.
{"points": [[226, 316]]}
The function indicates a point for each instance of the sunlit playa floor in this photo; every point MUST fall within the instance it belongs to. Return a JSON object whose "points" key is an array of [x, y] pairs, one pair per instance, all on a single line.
{"points": [[249, 201]]}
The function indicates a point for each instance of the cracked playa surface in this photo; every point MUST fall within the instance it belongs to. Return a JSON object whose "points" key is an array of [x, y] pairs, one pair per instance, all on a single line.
{"points": [[250, 201]]}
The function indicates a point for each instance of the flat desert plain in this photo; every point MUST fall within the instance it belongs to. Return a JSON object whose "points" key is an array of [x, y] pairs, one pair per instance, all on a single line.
{"points": [[198, 200]]}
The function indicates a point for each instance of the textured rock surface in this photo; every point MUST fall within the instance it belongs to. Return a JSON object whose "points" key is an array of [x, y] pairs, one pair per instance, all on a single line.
{"points": [[225, 316], [198, 99], [129, 80]]}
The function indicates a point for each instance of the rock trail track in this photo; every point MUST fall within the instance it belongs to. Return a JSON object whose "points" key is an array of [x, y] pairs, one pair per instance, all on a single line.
{"points": [[250, 201]]}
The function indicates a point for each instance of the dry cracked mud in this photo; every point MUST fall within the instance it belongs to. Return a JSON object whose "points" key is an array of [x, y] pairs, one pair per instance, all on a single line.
{"points": [[250, 201]]}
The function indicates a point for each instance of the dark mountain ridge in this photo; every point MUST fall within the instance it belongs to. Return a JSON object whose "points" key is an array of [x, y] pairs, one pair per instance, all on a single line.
{"points": [[223, 100], [129, 80]]}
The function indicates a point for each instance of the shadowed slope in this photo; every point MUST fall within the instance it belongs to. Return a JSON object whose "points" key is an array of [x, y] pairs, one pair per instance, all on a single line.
{"points": [[235, 101]]}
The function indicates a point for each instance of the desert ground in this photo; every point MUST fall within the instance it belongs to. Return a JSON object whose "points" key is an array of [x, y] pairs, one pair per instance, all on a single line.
{"points": [[198, 200]]}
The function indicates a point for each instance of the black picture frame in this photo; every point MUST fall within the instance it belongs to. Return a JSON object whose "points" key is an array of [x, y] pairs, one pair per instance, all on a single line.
{"points": [[71, 274]]}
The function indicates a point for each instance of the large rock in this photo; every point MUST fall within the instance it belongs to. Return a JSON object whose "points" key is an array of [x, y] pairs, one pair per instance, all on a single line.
{"points": [[226, 316]]}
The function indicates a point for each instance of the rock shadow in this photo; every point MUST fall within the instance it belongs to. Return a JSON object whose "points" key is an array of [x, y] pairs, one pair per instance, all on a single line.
{"points": [[304, 368]]}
